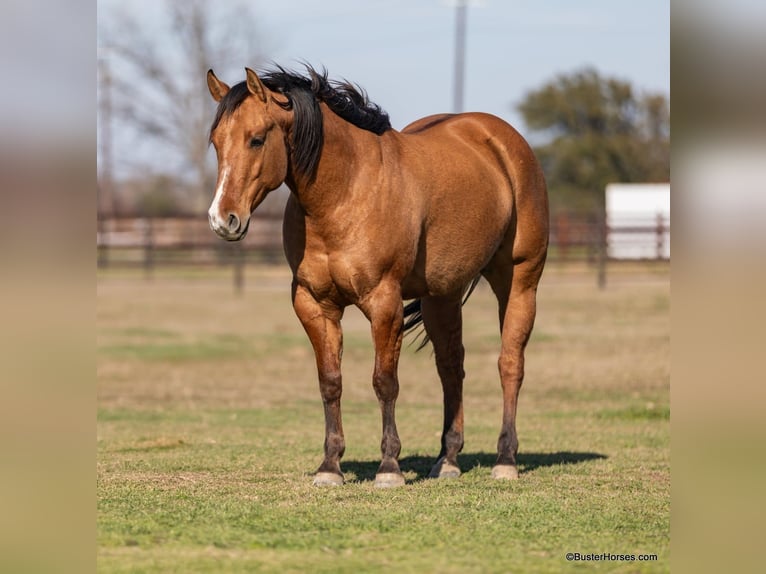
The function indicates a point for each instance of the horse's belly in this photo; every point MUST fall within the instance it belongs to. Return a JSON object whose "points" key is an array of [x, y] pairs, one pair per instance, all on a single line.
{"points": [[447, 262]]}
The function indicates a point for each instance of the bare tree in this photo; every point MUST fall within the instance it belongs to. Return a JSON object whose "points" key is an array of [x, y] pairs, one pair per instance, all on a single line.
{"points": [[158, 77]]}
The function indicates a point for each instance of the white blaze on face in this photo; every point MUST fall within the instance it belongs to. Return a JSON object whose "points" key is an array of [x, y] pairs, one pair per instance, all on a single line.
{"points": [[214, 211]]}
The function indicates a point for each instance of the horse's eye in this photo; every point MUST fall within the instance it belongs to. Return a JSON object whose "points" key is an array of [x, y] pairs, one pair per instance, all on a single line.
{"points": [[256, 142]]}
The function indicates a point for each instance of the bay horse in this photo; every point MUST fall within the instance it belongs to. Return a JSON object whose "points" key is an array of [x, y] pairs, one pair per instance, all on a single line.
{"points": [[378, 216]]}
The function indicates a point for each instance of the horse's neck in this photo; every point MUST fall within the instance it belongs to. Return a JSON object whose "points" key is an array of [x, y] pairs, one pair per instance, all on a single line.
{"points": [[338, 166]]}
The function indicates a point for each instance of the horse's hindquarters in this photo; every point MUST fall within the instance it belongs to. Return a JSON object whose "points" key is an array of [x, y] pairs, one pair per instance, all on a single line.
{"points": [[483, 188]]}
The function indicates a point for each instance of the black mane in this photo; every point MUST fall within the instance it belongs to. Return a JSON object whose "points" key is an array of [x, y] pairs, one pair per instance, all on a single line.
{"points": [[303, 95]]}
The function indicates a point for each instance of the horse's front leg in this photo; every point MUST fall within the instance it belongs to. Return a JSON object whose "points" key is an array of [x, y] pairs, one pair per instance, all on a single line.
{"points": [[383, 307], [322, 324]]}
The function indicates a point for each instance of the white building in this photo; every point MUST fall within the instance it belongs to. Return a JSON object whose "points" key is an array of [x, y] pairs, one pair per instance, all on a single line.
{"points": [[638, 220]]}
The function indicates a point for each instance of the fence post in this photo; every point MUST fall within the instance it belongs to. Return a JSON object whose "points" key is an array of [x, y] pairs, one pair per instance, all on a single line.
{"points": [[562, 234], [660, 235], [602, 252], [102, 247], [148, 248], [239, 268]]}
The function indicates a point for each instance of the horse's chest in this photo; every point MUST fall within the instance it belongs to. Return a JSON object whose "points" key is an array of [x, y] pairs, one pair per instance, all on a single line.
{"points": [[331, 276], [344, 263]]}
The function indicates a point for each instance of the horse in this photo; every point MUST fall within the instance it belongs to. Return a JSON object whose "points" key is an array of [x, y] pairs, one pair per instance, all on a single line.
{"points": [[377, 217]]}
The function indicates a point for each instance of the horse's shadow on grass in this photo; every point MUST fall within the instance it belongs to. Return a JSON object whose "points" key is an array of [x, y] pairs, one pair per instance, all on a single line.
{"points": [[421, 465]]}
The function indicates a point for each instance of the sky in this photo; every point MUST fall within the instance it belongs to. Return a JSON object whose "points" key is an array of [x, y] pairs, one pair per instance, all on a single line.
{"points": [[402, 51]]}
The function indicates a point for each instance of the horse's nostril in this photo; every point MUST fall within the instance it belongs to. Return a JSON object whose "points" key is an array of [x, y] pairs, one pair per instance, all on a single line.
{"points": [[233, 223]]}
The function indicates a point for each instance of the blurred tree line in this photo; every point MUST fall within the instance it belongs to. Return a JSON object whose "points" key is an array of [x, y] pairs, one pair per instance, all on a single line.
{"points": [[593, 131]]}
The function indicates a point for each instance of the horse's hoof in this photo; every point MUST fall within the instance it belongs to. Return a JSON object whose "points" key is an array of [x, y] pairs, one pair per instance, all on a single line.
{"points": [[505, 472], [388, 480], [443, 469], [328, 479]]}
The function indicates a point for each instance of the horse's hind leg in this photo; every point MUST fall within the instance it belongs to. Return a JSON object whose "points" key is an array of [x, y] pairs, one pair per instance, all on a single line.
{"points": [[515, 286], [442, 318]]}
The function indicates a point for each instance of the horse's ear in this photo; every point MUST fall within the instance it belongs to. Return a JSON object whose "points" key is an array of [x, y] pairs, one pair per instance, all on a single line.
{"points": [[255, 85], [217, 88]]}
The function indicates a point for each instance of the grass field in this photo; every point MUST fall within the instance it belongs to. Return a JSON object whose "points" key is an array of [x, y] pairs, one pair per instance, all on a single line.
{"points": [[210, 426]]}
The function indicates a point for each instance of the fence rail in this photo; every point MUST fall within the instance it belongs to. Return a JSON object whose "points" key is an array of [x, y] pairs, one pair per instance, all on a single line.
{"points": [[151, 242]]}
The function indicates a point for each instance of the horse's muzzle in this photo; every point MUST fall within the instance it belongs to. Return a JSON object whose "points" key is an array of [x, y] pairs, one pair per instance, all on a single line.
{"points": [[231, 229]]}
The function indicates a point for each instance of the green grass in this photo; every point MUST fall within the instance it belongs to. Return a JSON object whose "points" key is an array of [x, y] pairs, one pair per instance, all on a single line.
{"points": [[210, 425]]}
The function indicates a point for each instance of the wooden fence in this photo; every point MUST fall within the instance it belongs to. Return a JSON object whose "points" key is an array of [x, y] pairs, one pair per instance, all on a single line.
{"points": [[151, 242]]}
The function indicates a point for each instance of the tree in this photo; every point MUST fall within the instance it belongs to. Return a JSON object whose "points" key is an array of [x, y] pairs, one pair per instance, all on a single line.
{"points": [[596, 131], [157, 79]]}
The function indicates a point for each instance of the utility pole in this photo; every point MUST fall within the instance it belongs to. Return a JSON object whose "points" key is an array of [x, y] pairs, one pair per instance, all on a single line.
{"points": [[104, 191], [106, 201], [461, 13]]}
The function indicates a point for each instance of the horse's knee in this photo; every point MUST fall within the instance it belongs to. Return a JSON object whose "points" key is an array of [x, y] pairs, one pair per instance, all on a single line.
{"points": [[386, 386]]}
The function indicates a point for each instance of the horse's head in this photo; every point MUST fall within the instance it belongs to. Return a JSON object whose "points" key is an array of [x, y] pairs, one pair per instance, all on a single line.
{"points": [[251, 145]]}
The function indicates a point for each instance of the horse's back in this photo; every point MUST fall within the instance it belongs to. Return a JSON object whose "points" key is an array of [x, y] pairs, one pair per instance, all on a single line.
{"points": [[484, 132], [475, 142], [426, 122]]}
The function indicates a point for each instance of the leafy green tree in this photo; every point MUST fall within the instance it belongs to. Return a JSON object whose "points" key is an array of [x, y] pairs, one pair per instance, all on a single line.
{"points": [[594, 131]]}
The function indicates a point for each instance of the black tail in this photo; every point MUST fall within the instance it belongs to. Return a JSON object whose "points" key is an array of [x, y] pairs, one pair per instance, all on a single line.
{"points": [[413, 317]]}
